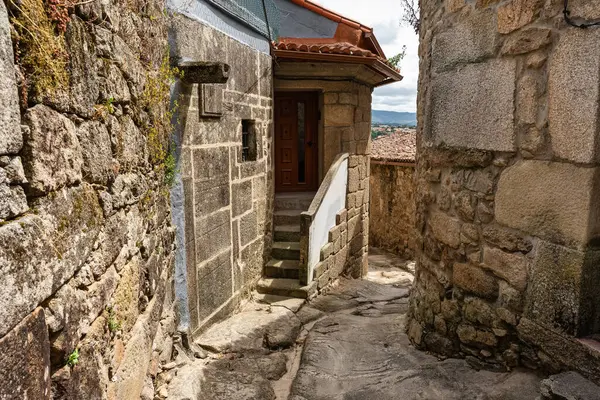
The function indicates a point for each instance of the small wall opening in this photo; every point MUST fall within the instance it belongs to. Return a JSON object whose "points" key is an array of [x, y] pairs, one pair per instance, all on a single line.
{"points": [[249, 151]]}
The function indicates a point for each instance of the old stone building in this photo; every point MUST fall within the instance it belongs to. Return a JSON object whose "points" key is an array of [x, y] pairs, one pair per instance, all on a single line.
{"points": [[507, 170], [273, 187], [392, 192], [258, 174], [158, 162], [225, 203]]}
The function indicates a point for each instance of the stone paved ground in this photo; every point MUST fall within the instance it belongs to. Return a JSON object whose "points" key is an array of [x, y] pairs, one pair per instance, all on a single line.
{"points": [[348, 344]]}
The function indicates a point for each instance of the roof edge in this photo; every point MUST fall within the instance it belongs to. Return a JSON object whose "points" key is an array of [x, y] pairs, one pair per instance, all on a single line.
{"points": [[373, 62], [332, 15]]}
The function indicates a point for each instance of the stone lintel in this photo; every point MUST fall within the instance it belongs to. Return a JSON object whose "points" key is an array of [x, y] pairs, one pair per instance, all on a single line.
{"points": [[316, 70]]}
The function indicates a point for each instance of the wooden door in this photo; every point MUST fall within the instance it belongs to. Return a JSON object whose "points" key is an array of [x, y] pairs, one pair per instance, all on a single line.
{"points": [[296, 142]]}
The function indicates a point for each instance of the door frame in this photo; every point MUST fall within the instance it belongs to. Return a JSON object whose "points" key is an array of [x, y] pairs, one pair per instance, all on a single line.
{"points": [[312, 113]]}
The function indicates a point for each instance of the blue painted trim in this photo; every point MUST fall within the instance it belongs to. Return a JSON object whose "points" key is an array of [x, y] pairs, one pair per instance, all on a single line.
{"points": [[178, 220]]}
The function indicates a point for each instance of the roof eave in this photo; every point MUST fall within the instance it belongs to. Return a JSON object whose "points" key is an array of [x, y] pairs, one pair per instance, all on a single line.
{"points": [[371, 37], [379, 66]]}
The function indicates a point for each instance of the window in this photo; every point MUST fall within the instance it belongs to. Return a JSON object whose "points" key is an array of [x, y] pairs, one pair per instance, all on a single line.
{"points": [[249, 148]]}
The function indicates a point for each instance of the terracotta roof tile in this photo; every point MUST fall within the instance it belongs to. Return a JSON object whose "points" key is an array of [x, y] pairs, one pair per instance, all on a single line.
{"points": [[329, 48], [340, 48], [351, 39], [400, 146]]}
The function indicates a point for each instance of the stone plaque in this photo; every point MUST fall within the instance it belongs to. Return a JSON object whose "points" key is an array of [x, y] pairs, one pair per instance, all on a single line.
{"points": [[211, 100]]}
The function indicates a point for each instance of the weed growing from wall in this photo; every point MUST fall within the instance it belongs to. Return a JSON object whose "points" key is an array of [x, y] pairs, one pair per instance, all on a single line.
{"points": [[40, 46], [156, 94], [113, 324], [170, 166], [73, 358]]}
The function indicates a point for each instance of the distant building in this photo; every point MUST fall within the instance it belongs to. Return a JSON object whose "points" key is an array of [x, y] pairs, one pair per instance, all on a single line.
{"points": [[392, 192]]}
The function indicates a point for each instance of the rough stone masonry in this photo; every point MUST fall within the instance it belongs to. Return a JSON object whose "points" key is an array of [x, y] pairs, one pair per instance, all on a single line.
{"points": [[85, 236], [507, 185]]}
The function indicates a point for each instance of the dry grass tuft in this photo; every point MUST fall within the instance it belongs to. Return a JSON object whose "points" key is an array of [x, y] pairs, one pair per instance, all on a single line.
{"points": [[40, 45], [156, 94]]}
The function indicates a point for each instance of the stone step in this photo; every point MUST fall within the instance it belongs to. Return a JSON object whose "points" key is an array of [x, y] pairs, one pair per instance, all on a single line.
{"points": [[286, 287], [293, 201], [286, 217], [286, 250], [289, 269], [287, 233], [569, 385], [291, 303]]}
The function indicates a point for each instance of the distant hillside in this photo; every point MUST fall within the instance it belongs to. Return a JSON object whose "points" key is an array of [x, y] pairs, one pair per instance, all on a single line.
{"points": [[393, 118]]}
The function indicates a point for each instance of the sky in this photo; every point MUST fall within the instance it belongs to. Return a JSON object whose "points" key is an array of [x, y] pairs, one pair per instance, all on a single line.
{"points": [[384, 16]]}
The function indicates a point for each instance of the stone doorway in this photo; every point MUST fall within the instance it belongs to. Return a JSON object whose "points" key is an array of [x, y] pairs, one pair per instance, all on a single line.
{"points": [[296, 141]]}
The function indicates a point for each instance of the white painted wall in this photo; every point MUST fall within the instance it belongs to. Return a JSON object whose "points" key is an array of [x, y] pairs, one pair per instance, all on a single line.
{"points": [[333, 201]]}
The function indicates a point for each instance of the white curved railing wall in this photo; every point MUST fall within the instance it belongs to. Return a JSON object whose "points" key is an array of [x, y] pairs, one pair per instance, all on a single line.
{"points": [[329, 201]]}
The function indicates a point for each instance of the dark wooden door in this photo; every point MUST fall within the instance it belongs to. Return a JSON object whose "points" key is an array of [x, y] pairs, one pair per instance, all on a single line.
{"points": [[296, 142]]}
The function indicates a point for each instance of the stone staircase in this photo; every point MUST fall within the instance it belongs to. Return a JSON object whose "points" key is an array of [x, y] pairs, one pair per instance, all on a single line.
{"points": [[281, 273]]}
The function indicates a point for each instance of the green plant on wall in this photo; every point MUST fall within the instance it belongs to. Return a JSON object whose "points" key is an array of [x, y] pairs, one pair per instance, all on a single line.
{"points": [[113, 324], [39, 36], [170, 166], [156, 94], [395, 60], [73, 358], [109, 105]]}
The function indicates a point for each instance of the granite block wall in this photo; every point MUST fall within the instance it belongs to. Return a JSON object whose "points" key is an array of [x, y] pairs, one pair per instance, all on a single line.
{"points": [[507, 177], [228, 200], [392, 210], [86, 243], [334, 254]]}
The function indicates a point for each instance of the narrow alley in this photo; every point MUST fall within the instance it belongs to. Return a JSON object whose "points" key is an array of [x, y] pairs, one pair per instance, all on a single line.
{"points": [[349, 343]]}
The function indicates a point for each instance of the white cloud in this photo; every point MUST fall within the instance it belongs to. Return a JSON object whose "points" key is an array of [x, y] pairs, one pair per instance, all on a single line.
{"points": [[385, 16]]}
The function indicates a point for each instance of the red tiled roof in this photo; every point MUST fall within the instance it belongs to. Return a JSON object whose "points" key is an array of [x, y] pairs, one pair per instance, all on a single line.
{"points": [[351, 43], [400, 146], [345, 25], [334, 51], [329, 48]]}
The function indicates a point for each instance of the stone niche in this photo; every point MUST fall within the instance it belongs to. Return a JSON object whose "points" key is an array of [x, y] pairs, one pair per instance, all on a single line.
{"points": [[508, 227]]}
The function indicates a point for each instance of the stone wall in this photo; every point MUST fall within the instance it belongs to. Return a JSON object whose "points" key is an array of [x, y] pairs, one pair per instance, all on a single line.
{"points": [[507, 174], [228, 201], [345, 127], [85, 236], [392, 217], [334, 254]]}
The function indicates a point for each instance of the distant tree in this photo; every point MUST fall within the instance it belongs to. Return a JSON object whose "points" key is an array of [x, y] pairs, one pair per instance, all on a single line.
{"points": [[376, 134], [411, 15]]}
